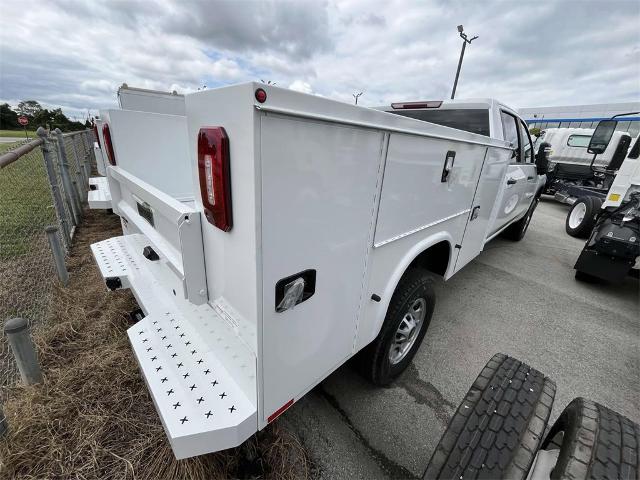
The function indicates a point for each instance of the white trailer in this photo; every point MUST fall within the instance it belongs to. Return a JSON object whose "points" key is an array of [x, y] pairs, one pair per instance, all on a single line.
{"points": [[271, 235]]}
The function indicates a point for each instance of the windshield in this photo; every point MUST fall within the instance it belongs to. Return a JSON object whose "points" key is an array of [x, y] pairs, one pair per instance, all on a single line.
{"points": [[469, 120]]}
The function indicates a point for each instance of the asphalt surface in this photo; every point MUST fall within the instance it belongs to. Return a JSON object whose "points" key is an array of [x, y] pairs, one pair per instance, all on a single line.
{"points": [[518, 298]]}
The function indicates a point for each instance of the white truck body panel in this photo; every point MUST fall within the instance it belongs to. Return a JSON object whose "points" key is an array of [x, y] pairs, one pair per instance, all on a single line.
{"points": [[352, 193], [143, 100], [627, 178], [99, 196]]}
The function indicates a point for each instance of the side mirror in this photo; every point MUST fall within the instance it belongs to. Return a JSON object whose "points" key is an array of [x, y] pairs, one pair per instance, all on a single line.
{"points": [[602, 136], [542, 158]]}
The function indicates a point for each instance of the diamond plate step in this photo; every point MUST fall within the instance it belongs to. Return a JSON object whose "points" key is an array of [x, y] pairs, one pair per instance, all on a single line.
{"points": [[197, 364]]}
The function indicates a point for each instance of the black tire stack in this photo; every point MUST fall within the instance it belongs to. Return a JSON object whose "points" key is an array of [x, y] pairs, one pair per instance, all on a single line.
{"points": [[594, 442], [499, 426]]}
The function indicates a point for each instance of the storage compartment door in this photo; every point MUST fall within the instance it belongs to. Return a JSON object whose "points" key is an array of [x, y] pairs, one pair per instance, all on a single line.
{"points": [[484, 200], [318, 192]]}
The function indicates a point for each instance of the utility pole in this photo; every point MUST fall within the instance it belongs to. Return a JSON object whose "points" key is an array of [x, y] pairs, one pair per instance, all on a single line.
{"points": [[465, 40], [356, 96]]}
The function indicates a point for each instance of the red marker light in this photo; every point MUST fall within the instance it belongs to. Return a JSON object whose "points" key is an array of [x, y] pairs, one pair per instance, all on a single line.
{"points": [[261, 95], [280, 411]]}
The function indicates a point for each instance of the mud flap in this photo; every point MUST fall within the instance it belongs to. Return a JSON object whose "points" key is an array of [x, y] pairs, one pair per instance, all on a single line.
{"points": [[611, 269]]}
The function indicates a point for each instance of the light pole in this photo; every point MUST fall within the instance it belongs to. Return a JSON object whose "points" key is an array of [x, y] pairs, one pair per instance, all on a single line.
{"points": [[465, 40], [356, 96]]}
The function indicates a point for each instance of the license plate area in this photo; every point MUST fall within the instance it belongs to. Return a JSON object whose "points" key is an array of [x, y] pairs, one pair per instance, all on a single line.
{"points": [[145, 211]]}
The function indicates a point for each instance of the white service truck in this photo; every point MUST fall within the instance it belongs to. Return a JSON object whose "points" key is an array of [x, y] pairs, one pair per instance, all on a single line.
{"points": [[129, 98], [270, 235]]}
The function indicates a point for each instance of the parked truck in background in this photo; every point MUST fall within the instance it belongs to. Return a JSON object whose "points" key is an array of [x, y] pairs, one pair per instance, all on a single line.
{"points": [[270, 235], [611, 221]]}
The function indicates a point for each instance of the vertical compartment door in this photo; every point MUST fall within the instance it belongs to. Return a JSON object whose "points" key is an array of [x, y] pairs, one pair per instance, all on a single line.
{"points": [[318, 188], [484, 203]]}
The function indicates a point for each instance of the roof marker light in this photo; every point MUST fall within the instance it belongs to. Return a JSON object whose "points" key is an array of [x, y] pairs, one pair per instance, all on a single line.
{"points": [[410, 105]]}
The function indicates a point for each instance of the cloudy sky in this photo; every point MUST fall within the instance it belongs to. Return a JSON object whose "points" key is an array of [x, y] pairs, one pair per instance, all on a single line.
{"points": [[75, 54]]}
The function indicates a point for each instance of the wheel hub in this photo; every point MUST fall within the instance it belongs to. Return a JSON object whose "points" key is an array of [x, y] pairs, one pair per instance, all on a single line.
{"points": [[408, 331], [577, 215]]}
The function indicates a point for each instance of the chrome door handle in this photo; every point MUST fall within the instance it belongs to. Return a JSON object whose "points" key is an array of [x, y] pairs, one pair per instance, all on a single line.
{"points": [[529, 178], [512, 181]]}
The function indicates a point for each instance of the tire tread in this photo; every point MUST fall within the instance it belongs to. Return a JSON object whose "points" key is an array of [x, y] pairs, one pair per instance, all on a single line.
{"points": [[598, 443], [499, 425]]}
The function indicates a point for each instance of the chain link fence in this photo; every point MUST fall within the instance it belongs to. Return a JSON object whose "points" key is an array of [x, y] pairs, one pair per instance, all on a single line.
{"points": [[42, 183]]}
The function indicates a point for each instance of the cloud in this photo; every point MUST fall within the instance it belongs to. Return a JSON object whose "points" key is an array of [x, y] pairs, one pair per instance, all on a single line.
{"points": [[75, 53], [300, 86]]}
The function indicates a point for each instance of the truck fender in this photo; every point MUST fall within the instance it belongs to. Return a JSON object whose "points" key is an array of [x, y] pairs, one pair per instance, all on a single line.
{"points": [[401, 268]]}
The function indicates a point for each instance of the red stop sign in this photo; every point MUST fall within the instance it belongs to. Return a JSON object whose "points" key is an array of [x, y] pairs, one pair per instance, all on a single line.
{"points": [[23, 120]]}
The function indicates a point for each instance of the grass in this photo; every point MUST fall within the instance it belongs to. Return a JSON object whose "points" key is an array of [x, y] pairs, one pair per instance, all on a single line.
{"points": [[26, 206], [17, 133], [92, 417]]}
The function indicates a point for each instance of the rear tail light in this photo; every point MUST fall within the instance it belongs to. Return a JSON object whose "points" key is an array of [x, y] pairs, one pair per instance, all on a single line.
{"points": [[215, 176], [95, 132], [106, 134]]}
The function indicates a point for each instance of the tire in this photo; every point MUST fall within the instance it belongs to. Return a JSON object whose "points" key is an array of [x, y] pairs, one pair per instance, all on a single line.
{"points": [[588, 208], [499, 425], [517, 231], [595, 442], [414, 288]]}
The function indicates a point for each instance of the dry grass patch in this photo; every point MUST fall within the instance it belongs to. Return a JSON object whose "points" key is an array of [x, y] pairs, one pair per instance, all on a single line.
{"points": [[92, 417]]}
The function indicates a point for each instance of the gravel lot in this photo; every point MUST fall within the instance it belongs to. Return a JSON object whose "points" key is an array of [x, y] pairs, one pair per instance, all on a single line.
{"points": [[517, 298]]}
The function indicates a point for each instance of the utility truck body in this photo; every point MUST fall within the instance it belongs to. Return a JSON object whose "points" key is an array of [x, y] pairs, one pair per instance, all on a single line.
{"points": [[267, 233]]}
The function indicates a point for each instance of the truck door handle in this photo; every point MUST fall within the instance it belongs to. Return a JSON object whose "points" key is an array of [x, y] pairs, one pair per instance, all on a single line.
{"points": [[448, 165], [529, 178], [512, 181]]}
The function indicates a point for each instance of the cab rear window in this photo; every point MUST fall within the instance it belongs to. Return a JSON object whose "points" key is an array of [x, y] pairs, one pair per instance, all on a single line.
{"points": [[469, 120]]}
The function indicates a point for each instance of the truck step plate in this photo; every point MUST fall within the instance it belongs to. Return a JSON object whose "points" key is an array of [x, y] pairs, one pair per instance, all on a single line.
{"points": [[200, 373], [99, 195]]}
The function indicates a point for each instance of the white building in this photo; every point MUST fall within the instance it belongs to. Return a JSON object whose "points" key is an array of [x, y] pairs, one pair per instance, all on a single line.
{"points": [[583, 116]]}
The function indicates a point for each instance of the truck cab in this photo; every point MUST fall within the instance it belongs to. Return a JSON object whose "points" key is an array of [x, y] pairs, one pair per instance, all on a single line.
{"points": [[493, 119]]}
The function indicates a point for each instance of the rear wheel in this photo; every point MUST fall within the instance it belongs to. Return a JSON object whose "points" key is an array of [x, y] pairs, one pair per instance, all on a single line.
{"points": [[404, 327], [582, 216], [594, 442]]}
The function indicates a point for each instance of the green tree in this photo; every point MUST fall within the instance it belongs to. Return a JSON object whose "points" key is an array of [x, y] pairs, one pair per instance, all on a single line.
{"points": [[30, 108], [8, 118]]}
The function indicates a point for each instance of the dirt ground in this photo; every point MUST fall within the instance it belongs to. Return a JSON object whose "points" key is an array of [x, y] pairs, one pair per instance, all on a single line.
{"points": [[92, 416]]}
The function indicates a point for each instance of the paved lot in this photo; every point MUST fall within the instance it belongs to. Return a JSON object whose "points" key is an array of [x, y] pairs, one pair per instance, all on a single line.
{"points": [[516, 298]]}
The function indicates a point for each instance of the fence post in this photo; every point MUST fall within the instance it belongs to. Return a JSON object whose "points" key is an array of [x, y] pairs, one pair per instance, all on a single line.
{"points": [[4, 426], [90, 138], [85, 162], [17, 332], [76, 160], [55, 190], [72, 195], [58, 254]]}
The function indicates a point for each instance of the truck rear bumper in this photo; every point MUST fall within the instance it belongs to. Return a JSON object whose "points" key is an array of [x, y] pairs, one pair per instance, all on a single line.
{"points": [[99, 195], [199, 371]]}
